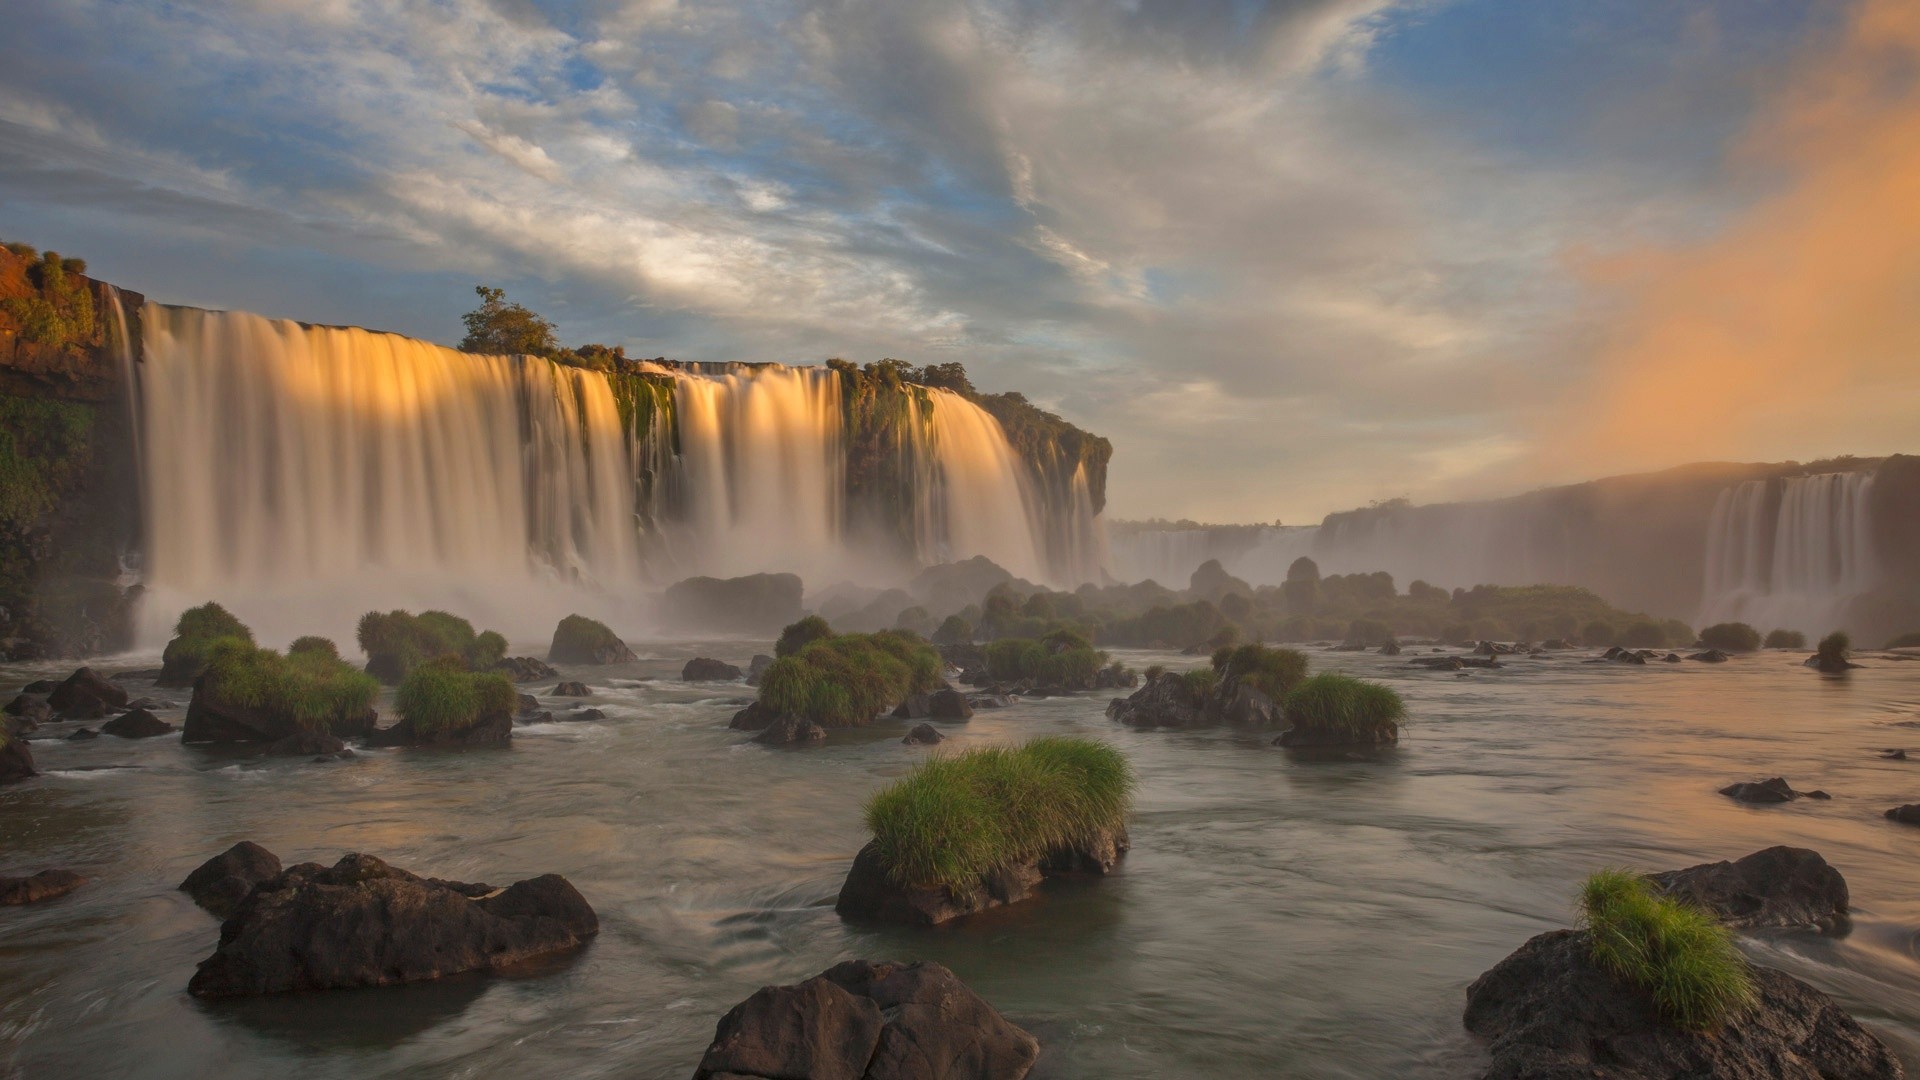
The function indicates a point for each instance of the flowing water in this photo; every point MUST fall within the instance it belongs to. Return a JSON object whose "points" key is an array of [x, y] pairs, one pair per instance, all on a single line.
{"points": [[1791, 553], [1276, 917]]}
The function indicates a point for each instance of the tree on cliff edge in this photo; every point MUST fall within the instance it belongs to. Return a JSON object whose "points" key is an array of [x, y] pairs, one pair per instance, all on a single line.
{"points": [[499, 327]]}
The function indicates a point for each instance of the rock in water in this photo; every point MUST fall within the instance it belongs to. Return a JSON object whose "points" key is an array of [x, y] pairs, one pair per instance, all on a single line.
{"points": [[1711, 656], [86, 696], [861, 1020], [28, 711], [757, 667], [34, 888], [791, 730], [1780, 886], [306, 744], [1165, 701], [916, 707], [707, 669], [361, 922], [571, 689], [1549, 1012], [871, 894], [490, 729], [924, 735], [136, 724], [220, 883], [523, 669], [16, 761], [755, 717], [949, 705], [1905, 815], [1775, 790]]}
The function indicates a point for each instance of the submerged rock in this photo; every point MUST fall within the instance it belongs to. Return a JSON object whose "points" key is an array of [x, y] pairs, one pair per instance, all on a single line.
{"points": [[362, 922], [571, 689], [524, 669], [82, 734], [45, 885], [1549, 1011], [707, 669], [16, 761], [791, 729], [861, 1020], [949, 705], [871, 894], [1780, 886], [1768, 791], [1711, 656], [220, 883], [1829, 663], [136, 724], [924, 735]]}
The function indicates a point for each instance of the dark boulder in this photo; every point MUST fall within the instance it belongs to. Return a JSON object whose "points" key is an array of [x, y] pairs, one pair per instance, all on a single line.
{"points": [[707, 669], [1768, 791], [307, 744], [571, 689], [791, 729], [1165, 701], [537, 716], [526, 703], [916, 707], [949, 705], [213, 717], [40, 686], [812, 1031], [524, 669], [585, 714], [136, 724], [86, 696], [27, 712], [755, 717], [754, 604], [34, 888], [492, 729], [757, 667], [1250, 708], [870, 893], [1829, 663], [1674, 658], [82, 734], [16, 761], [1905, 815], [1780, 886], [1711, 656], [361, 922], [924, 735], [220, 883], [1549, 1012], [1438, 663], [994, 699], [1894, 755]]}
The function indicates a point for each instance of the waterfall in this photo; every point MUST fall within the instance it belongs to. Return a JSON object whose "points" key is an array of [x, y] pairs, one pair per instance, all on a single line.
{"points": [[1790, 553], [303, 475]]}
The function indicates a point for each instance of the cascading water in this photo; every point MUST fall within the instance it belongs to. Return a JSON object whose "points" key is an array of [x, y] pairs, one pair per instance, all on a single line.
{"points": [[304, 475], [1790, 554]]}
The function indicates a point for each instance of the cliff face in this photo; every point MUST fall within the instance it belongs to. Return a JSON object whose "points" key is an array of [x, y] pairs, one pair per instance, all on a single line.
{"points": [[69, 483]]}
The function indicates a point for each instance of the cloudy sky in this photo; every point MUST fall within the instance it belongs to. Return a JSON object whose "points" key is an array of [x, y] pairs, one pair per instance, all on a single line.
{"points": [[1290, 257]]}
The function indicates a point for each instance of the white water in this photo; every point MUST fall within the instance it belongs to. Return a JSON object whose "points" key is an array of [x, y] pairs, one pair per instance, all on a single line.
{"points": [[304, 475], [1790, 554]]}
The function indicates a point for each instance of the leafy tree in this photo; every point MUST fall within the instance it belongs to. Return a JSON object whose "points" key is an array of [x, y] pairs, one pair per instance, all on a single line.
{"points": [[498, 326]]}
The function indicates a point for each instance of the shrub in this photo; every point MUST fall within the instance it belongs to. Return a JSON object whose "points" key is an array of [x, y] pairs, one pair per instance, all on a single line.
{"points": [[1062, 658], [1904, 641], [1200, 682], [1346, 709], [1681, 955], [320, 646], [396, 642], [802, 634], [1273, 672], [1369, 632], [953, 631], [441, 695], [198, 632], [310, 688], [847, 679], [1597, 633], [1835, 646], [1154, 671], [1786, 639], [1731, 636], [957, 818]]}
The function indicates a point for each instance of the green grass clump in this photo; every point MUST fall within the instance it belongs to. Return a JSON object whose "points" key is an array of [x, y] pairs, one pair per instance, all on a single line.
{"points": [[441, 695], [1061, 658], [1680, 954], [1200, 682], [396, 642], [848, 679], [313, 645], [311, 689], [1354, 710], [798, 636], [1731, 636], [196, 636], [957, 817], [953, 630], [1273, 672], [1835, 646], [1794, 639]]}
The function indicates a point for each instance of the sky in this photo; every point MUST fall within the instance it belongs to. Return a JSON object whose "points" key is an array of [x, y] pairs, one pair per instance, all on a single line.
{"points": [[1290, 257]]}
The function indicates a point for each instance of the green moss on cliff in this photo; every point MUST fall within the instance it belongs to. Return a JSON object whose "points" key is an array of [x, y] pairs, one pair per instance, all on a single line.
{"points": [[45, 446]]}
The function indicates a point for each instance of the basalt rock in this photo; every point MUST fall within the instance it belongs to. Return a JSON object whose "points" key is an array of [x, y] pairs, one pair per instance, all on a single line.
{"points": [[1905, 815], [870, 894], [949, 705], [307, 744], [86, 696], [584, 715], [707, 669], [16, 761], [1711, 656], [1830, 664], [915, 707], [82, 734], [523, 669], [791, 729], [924, 735], [493, 729], [571, 689], [757, 667], [136, 724], [27, 712], [211, 718], [1549, 1012], [755, 717], [45, 885], [220, 883], [1775, 790], [1780, 886], [362, 922], [861, 1020], [40, 686], [1164, 702]]}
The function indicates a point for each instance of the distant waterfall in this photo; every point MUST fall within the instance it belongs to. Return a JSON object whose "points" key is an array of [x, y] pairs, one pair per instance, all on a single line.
{"points": [[303, 475], [1790, 553]]}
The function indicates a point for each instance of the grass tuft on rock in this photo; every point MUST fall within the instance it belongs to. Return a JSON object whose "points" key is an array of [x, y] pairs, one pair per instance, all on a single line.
{"points": [[957, 817], [848, 679], [310, 688], [1273, 672], [578, 639], [1786, 639], [1342, 708], [1062, 658], [442, 695], [1835, 647], [396, 642], [1680, 954], [312, 644], [799, 635], [196, 635], [1731, 637]]}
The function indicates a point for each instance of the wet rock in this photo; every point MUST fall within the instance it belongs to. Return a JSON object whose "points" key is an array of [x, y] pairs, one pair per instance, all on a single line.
{"points": [[148, 704], [1548, 1011], [1251, 708], [1894, 755], [27, 712], [1391, 648], [526, 703], [32, 889], [916, 707], [1768, 791], [757, 667], [362, 922], [789, 730], [40, 686], [305, 743], [1711, 656], [220, 883], [82, 735], [754, 717], [870, 894], [1438, 663], [949, 705], [538, 716], [1000, 701], [1674, 658], [861, 1020], [1829, 663], [924, 735], [707, 669], [136, 724], [16, 761], [1905, 815], [586, 714], [214, 717], [1780, 886], [86, 696], [1618, 655], [1164, 701], [523, 669], [492, 730], [571, 689]]}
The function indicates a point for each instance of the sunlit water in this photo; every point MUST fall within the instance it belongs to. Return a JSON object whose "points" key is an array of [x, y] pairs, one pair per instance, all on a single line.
{"points": [[1276, 916]]}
